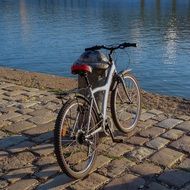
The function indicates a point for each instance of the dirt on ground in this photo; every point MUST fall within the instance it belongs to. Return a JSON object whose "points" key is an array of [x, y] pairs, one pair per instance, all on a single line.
{"points": [[168, 104]]}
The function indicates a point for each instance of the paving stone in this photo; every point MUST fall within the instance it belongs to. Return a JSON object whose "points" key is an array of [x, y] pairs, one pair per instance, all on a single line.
{"points": [[24, 184], [25, 145], [140, 153], [9, 115], [175, 177], [48, 98], [152, 132], [92, 182], [183, 117], [47, 172], [11, 140], [43, 149], [167, 157], [156, 186], [157, 143], [3, 154], [128, 181], [29, 104], [25, 110], [156, 112], [147, 170], [40, 129], [185, 164], [3, 134], [116, 167], [146, 124], [102, 148], [52, 106], [20, 160], [43, 161], [145, 116], [99, 162], [160, 117], [182, 144], [14, 93], [4, 124], [16, 175], [19, 126], [43, 137], [185, 126], [186, 188], [57, 183], [20, 118], [41, 112], [169, 123], [173, 134], [3, 184], [118, 150], [42, 118], [135, 140]]}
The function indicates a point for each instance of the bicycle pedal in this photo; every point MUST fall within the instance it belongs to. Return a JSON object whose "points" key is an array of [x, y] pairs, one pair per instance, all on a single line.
{"points": [[118, 140]]}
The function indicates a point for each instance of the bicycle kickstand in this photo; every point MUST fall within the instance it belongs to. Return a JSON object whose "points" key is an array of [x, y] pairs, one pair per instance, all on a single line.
{"points": [[116, 140]]}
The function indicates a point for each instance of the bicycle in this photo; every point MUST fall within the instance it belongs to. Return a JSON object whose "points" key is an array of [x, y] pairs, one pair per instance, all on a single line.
{"points": [[80, 120]]}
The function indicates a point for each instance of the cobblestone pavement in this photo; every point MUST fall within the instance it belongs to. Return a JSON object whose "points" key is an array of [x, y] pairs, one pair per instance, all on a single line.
{"points": [[156, 155]]}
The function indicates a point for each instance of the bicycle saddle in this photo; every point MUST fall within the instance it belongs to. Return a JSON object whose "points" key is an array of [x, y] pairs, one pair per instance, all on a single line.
{"points": [[81, 69]]}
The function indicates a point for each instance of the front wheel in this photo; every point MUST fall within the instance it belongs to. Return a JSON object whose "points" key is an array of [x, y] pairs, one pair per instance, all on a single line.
{"points": [[126, 103], [75, 154]]}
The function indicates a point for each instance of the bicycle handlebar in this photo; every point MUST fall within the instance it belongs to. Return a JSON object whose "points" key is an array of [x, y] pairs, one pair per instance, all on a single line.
{"points": [[111, 48]]}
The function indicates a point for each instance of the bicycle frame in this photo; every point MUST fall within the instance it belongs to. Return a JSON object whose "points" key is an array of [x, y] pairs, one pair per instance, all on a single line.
{"points": [[105, 88]]}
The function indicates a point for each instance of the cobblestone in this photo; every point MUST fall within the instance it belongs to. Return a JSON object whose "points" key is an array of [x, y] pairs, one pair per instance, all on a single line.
{"points": [[185, 164], [11, 140], [135, 140], [156, 112], [48, 172], [182, 144], [140, 153], [157, 143], [118, 150], [175, 177], [3, 184], [24, 184], [19, 126], [125, 182], [167, 157], [146, 116], [152, 132], [43, 150], [173, 134], [92, 182], [156, 186], [56, 183], [169, 123], [20, 160], [116, 167], [185, 126], [16, 175], [146, 169], [43, 161], [3, 154]]}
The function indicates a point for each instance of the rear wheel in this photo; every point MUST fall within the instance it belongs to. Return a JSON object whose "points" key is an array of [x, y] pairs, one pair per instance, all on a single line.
{"points": [[75, 154], [126, 104]]}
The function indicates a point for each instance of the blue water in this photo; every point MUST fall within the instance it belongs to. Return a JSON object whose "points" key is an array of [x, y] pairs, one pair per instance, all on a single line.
{"points": [[49, 35]]}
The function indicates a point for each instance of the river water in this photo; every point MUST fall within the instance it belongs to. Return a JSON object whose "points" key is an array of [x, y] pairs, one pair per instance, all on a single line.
{"points": [[49, 35]]}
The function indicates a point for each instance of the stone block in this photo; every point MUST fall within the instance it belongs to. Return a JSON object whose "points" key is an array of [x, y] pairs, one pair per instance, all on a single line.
{"points": [[128, 181], [175, 177], [185, 165], [157, 143], [167, 157], [169, 123], [185, 126], [152, 132], [173, 134], [43, 149]]}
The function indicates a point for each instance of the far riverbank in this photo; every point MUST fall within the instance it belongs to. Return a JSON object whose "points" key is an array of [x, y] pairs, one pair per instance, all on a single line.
{"points": [[168, 104]]}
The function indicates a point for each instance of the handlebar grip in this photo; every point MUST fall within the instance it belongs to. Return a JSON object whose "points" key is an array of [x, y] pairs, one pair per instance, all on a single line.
{"points": [[93, 48], [129, 44]]}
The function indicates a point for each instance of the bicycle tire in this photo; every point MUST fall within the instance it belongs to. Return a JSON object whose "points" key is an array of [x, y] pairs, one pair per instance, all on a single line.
{"points": [[121, 125], [58, 136]]}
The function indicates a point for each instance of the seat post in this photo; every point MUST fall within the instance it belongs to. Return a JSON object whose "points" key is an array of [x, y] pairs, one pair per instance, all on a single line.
{"points": [[86, 79]]}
